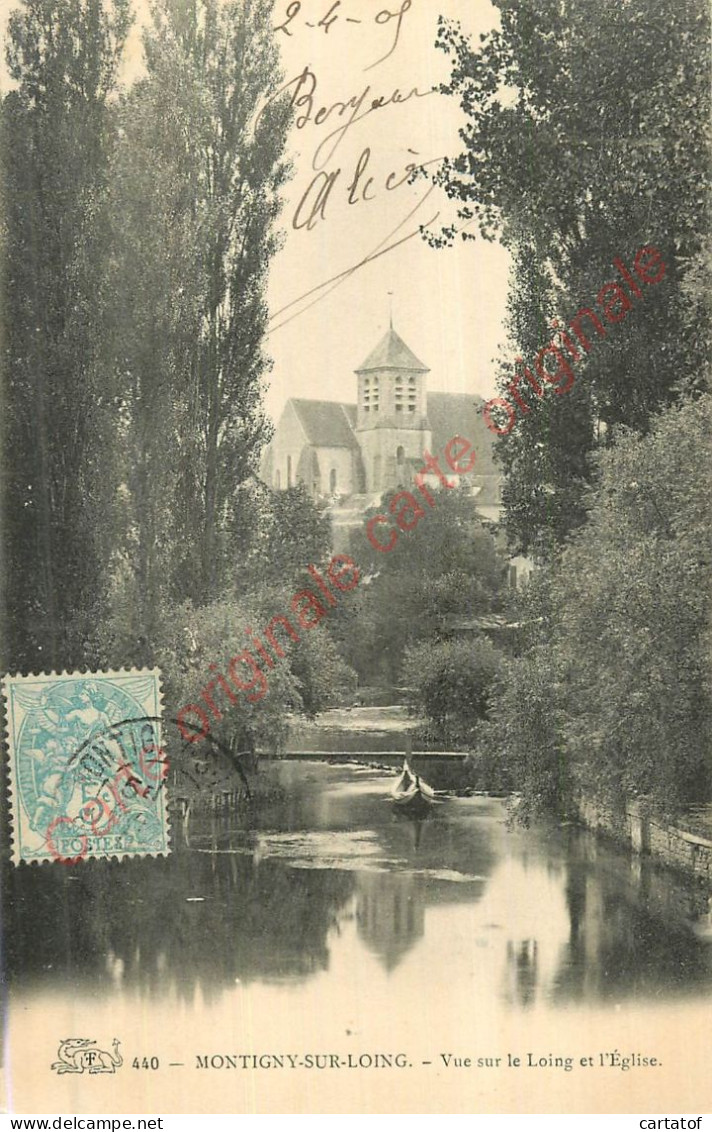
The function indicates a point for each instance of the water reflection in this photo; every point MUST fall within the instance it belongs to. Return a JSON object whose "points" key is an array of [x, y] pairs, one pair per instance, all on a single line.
{"points": [[327, 871], [522, 972], [390, 914], [631, 929], [200, 920]]}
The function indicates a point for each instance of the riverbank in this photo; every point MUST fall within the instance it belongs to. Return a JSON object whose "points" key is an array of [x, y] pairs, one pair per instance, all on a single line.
{"points": [[687, 850]]}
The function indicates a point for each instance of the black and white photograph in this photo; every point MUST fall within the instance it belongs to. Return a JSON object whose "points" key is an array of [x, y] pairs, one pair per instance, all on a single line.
{"points": [[356, 557]]}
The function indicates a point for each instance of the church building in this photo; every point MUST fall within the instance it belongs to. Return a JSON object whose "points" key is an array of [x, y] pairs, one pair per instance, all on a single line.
{"points": [[347, 455]]}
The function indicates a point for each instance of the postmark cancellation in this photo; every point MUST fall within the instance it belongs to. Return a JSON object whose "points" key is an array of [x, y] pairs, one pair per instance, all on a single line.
{"points": [[86, 766]]}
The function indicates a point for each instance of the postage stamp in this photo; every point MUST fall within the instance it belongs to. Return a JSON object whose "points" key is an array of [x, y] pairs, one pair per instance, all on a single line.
{"points": [[87, 770]]}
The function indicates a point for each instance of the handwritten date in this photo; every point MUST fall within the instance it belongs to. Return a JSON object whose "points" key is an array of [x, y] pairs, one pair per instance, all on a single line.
{"points": [[333, 15]]}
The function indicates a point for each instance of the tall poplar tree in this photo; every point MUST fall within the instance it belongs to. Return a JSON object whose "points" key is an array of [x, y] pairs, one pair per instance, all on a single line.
{"points": [[62, 56], [198, 181]]}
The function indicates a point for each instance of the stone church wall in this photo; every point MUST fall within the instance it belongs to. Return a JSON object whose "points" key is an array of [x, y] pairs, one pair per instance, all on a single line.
{"points": [[287, 447], [379, 448], [343, 462]]}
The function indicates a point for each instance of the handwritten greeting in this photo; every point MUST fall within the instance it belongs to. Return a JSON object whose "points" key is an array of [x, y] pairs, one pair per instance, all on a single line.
{"points": [[353, 109], [303, 89]]}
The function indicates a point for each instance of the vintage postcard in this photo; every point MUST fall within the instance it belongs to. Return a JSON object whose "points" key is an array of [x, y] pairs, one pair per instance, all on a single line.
{"points": [[355, 504]]}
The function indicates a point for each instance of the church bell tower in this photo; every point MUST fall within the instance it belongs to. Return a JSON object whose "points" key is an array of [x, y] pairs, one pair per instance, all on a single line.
{"points": [[392, 413]]}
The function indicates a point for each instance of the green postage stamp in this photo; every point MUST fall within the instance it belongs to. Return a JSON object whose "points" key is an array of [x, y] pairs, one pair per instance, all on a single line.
{"points": [[87, 770]]}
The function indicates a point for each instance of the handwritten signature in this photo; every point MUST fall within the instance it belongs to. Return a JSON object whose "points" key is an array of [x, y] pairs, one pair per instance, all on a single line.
{"points": [[362, 188], [333, 16]]}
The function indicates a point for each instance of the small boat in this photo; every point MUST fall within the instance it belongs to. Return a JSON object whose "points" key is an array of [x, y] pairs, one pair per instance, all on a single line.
{"points": [[405, 781], [411, 795]]}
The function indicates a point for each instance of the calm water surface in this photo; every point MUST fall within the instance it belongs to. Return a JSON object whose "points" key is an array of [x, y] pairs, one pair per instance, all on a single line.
{"points": [[327, 886]]}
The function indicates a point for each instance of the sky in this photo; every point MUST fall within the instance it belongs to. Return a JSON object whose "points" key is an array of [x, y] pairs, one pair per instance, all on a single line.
{"points": [[349, 200]]}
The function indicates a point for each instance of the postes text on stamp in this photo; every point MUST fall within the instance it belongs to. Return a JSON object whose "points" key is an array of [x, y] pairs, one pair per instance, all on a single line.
{"points": [[87, 768]]}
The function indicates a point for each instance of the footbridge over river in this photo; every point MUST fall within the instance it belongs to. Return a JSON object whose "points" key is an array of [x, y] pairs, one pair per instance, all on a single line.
{"points": [[445, 770], [375, 736]]}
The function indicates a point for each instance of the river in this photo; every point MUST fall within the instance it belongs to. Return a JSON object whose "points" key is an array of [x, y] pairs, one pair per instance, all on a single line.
{"points": [[323, 907]]}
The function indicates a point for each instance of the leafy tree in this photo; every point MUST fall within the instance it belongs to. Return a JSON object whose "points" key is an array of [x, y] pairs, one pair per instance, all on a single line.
{"points": [[451, 683], [139, 232], [523, 743], [197, 643], [287, 533], [586, 138], [278, 545], [446, 567], [63, 57], [612, 697], [324, 679], [227, 62]]}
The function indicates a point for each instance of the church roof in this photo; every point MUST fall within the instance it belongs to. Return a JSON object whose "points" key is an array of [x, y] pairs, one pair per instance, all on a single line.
{"points": [[460, 414], [392, 353], [327, 424], [331, 424]]}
